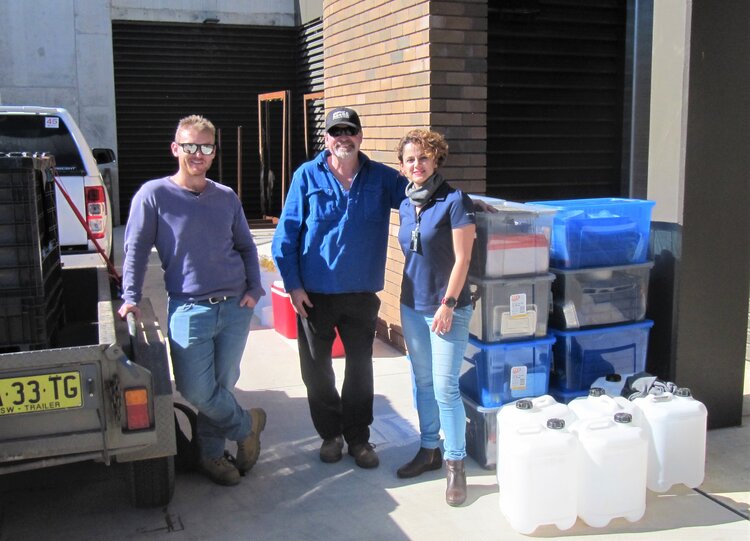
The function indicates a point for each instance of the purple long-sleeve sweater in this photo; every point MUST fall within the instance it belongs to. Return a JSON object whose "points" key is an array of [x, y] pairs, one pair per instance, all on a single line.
{"points": [[204, 243]]}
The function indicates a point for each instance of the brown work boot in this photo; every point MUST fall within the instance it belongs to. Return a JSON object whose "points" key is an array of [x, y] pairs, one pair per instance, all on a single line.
{"points": [[248, 450], [425, 460], [220, 471], [330, 451], [455, 493], [364, 455]]}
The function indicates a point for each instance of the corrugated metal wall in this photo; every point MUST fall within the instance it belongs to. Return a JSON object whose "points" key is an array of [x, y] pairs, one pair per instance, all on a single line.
{"points": [[165, 71], [555, 98]]}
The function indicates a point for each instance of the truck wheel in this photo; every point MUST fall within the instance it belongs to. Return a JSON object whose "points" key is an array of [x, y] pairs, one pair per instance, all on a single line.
{"points": [[151, 481]]}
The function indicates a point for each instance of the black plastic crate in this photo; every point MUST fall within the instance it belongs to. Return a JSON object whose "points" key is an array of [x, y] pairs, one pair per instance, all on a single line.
{"points": [[29, 246], [28, 272], [19, 185], [24, 179], [19, 212], [27, 201], [30, 321], [18, 255], [21, 233]]}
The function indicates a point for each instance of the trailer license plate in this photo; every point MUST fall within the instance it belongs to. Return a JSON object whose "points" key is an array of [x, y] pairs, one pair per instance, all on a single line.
{"points": [[43, 392]]}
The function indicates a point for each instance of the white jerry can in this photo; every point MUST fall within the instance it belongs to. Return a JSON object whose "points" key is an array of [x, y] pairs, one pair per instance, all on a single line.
{"points": [[537, 476], [612, 455], [528, 412], [599, 404], [675, 426]]}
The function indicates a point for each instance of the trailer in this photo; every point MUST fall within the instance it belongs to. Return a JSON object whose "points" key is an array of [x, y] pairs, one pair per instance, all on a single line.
{"points": [[76, 382]]}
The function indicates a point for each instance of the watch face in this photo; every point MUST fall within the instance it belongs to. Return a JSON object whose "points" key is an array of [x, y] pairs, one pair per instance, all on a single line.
{"points": [[450, 302]]}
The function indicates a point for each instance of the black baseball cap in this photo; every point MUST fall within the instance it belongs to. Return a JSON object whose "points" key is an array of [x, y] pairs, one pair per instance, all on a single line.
{"points": [[342, 116]]}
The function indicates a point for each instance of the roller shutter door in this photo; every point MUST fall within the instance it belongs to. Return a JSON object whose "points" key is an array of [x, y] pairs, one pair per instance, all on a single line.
{"points": [[164, 71], [555, 98]]}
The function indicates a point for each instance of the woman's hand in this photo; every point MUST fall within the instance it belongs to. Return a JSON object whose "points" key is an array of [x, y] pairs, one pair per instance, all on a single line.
{"points": [[443, 320]]}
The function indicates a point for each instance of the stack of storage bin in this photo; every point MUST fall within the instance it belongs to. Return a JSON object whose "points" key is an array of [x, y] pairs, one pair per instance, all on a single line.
{"points": [[30, 273], [509, 353], [598, 256]]}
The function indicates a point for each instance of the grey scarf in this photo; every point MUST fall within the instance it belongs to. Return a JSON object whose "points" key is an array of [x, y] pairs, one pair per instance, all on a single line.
{"points": [[419, 195]]}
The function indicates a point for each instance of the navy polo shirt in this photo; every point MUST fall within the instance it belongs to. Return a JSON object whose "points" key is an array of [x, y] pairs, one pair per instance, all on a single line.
{"points": [[427, 271]]}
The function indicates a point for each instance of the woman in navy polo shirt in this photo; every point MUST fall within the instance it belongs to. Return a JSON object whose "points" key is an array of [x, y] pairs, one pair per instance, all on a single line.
{"points": [[436, 236]]}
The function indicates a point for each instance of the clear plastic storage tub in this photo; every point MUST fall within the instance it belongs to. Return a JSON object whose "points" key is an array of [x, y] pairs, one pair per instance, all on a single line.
{"points": [[599, 232], [481, 433], [494, 374], [510, 308], [581, 357], [600, 296], [512, 241]]}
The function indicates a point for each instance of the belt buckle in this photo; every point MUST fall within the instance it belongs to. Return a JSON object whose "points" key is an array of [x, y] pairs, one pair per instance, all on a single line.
{"points": [[216, 300]]}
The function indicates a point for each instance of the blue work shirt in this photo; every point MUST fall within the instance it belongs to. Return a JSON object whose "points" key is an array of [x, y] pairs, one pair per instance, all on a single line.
{"points": [[329, 240], [427, 269]]}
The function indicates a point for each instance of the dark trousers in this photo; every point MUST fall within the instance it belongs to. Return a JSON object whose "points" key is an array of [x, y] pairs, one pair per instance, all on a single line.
{"points": [[355, 316]]}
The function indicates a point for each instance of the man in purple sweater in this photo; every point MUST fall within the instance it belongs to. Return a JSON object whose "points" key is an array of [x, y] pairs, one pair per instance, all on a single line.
{"points": [[212, 276]]}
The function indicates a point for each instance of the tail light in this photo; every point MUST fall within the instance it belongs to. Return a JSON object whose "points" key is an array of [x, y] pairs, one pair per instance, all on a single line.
{"points": [[136, 407], [96, 210]]}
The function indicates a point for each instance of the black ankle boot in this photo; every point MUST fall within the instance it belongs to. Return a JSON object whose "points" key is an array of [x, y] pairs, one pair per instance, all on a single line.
{"points": [[455, 494], [425, 460]]}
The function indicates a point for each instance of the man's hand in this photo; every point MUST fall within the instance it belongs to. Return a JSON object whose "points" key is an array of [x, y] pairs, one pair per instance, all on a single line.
{"points": [[300, 300], [248, 301], [127, 308]]}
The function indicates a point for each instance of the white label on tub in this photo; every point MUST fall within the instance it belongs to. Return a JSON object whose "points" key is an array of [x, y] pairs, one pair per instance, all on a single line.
{"points": [[570, 315], [520, 325], [518, 304], [518, 378]]}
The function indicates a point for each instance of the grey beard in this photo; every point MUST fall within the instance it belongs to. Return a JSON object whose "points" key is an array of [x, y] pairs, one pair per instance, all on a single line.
{"points": [[342, 154]]}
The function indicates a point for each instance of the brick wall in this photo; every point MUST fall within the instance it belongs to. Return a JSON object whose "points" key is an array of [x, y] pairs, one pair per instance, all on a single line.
{"points": [[404, 64]]}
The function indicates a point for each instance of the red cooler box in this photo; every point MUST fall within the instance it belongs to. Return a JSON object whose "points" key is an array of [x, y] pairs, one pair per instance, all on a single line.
{"points": [[285, 318]]}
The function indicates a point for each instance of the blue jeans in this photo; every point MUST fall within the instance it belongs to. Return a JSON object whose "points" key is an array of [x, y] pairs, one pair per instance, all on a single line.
{"points": [[436, 361], [206, 344]]}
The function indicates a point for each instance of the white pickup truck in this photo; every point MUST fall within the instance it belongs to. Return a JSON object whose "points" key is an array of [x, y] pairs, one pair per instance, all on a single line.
{"points": [[81, 170]]}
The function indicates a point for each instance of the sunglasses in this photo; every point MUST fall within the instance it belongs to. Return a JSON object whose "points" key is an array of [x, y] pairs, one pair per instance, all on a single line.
{"points": [[337, 131], [192, 148]]}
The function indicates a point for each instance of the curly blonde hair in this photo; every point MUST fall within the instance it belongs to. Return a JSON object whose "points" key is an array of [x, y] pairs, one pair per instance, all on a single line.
{"points": [[433, 144]]}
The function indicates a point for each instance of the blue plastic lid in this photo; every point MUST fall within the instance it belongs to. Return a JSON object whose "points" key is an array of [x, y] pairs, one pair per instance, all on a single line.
{"points": [[645, 324]]}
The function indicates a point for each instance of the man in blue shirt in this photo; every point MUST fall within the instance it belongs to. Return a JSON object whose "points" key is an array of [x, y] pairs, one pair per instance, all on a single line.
{"points": [[212, 276], [330, 248]]}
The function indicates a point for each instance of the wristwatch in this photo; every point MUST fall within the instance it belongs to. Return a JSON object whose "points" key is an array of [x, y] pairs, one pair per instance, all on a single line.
{"points": [[450, 302]]}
